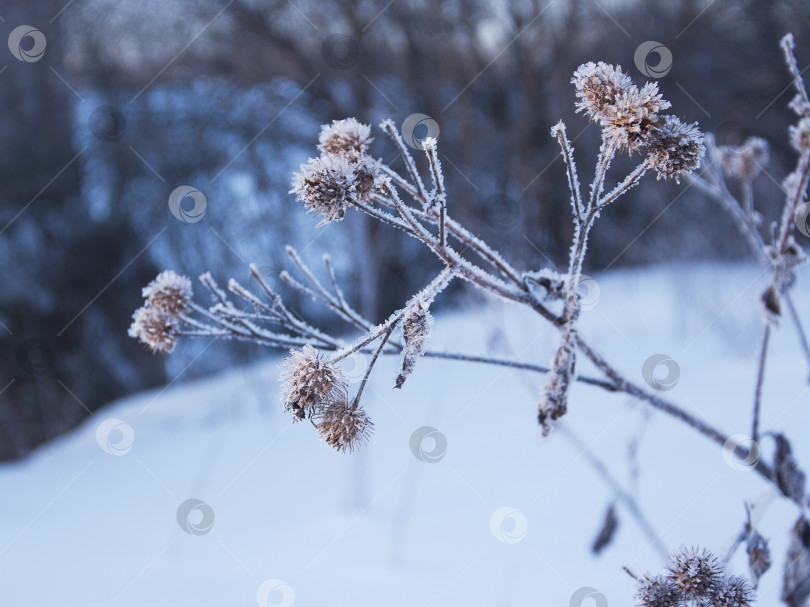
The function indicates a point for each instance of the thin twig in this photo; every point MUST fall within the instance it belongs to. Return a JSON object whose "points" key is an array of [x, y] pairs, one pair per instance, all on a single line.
{"points": [[410, 165], [374, 358], [667, 407], [799, 327], [571, 169], [763, 354], [438, 182], [623, 496], [787, 47]]}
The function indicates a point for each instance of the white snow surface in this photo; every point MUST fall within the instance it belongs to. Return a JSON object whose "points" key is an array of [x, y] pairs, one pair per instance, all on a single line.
{"points": [[82, 527]]}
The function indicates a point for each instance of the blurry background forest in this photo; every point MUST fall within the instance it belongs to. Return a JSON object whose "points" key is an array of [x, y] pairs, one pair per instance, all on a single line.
{"points": [[133, 99]]}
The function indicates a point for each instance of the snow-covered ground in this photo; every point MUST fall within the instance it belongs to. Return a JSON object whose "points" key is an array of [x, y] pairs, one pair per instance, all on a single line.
{"points": [[503, 518]]}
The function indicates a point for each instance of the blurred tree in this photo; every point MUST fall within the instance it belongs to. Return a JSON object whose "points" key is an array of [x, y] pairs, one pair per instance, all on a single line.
{"points": [[228, 97]]}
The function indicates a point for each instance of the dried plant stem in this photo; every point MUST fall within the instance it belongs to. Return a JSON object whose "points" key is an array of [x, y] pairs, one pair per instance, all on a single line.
{"points": [[799, 327], [743, 222], [786, 225], [628, 182], [429, 292], [790, 59], [571, 169], [410, 165], [593, 381], [623, 385], [623, 496], [438, 182], [763, 355], [371, 364], [606, 153]]}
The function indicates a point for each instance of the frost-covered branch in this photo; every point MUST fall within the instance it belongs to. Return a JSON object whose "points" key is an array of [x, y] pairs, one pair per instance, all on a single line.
{"points": [[346, 177]]}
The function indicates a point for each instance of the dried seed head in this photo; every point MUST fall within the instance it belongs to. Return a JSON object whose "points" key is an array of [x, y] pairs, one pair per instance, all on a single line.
{"points": [[789, 476], [344, 427], [607, 532], [554, 395], [800, 135], [771, 305], [155, 327], [745, 161], [310, 382], [598, 87], [733, 591], [169, 292], [675, 148], [609, 97], [328, 184], [345, 136], [759, 555], [658, 591], [796, 576], [695, 572], [417, 327]]}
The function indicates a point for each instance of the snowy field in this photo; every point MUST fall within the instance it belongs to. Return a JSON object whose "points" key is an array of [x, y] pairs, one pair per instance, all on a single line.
{"points": [[295, 523]]}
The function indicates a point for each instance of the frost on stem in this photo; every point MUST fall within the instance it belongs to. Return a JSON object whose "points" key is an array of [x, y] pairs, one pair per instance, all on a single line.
{"points": [[328, 184], [800, 106], [344, 427], [156, 324], [438, 196], [417, 325], [558, 131], [554, 395], [310, 383], [800, 135], [546, 284]]}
